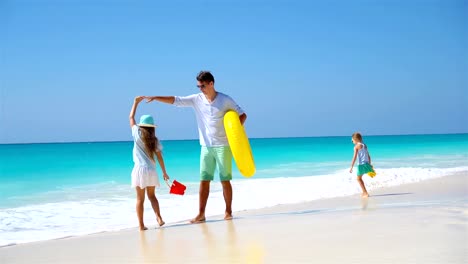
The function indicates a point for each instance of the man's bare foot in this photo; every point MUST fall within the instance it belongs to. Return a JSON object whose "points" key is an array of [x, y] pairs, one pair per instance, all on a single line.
{"points": [[143, 228], [364, 195], [161, 222], [198, 219], [228, 216]]}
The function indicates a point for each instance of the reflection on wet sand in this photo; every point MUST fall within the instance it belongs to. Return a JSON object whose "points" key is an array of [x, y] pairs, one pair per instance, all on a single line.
{"points": [[152, 246], [364, 203], [216, 241]]}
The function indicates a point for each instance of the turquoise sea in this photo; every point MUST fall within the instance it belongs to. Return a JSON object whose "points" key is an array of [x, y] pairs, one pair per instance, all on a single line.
{"points": [[65, 189]]}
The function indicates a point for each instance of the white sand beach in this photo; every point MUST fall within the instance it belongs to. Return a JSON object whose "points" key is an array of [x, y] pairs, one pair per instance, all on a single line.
{"points": [[424, 222]]}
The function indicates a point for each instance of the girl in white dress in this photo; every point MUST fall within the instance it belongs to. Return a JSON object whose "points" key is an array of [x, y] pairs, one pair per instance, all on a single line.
{"points": [[144, 176]]}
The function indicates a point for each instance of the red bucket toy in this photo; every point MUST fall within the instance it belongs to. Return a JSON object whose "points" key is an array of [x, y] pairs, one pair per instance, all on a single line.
{"points": [[176, 187]]}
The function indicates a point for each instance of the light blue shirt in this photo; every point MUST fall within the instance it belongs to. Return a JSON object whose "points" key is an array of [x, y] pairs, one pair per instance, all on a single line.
{"points": [[210, 116], [140, 158], [363, 155]]}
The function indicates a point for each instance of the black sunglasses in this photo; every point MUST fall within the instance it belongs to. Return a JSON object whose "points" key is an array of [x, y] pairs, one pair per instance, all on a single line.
{"points": [[201, 86]]}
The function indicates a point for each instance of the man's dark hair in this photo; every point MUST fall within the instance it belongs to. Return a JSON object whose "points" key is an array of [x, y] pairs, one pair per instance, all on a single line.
{"points": [[205, 76]]}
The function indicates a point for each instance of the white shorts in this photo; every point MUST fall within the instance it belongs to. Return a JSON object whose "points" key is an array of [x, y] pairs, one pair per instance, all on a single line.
{"points": [[144, 177]]}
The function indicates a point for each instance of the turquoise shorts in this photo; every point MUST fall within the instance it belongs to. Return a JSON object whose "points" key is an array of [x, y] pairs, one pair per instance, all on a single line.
{"points": [[364, 169], [212, 156]]}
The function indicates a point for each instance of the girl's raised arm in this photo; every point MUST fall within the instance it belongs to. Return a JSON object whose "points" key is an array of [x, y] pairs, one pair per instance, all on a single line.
{"points": [[131, 117]]}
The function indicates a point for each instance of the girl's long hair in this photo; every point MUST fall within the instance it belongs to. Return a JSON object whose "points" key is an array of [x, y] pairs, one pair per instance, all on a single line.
{"points": [[148, 136]]}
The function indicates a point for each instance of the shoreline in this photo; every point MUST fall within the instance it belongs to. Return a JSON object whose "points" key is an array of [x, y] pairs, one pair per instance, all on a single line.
{"points": [[323, 203], [250, 197], [340, 202], [444, 197]]}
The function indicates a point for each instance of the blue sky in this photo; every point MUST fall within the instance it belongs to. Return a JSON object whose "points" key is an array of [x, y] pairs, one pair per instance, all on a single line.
{"points": [[69, 69]]}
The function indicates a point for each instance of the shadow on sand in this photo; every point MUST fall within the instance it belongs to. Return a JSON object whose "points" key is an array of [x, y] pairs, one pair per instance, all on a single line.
{"points": [[389, 194]]}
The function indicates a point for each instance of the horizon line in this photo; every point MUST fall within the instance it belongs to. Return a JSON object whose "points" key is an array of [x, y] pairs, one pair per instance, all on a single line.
{"points": [[118, 141]]}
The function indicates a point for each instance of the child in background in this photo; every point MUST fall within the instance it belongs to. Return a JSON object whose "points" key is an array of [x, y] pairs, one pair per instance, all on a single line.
{"points": [[364, 162], [144, 176]]}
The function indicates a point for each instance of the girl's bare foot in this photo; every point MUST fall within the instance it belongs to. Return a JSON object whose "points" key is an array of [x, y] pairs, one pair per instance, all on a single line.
{"points": [[364, 195], [198, 219], [227, 216], [161, 222], [143, 228]]}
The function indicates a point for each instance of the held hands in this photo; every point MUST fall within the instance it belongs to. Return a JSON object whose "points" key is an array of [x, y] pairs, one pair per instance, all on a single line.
{"points": [[138, 99], [149, 99]]}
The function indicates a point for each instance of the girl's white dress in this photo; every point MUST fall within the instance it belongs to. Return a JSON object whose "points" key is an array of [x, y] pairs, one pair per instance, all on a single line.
{"points": [[144, 171]]}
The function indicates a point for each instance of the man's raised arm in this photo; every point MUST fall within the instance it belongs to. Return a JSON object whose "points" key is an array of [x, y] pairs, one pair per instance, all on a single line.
{"points": [[163, 99]]}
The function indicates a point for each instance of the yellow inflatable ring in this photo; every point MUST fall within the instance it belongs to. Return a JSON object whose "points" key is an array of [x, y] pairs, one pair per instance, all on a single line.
{"points": [[239, 144]]}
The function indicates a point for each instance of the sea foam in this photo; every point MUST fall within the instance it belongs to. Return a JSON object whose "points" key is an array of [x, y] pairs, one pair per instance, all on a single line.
{"points": [[94, 209]]}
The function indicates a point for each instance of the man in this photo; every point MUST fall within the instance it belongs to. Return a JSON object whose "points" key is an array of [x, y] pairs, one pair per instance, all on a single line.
{"points": [[210, 107]]}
